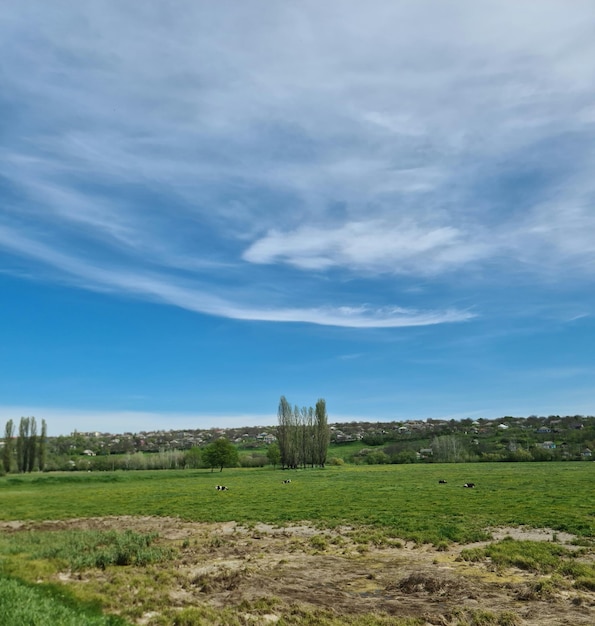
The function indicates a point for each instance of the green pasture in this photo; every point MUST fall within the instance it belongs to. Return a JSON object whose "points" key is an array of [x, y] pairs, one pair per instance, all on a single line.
{"points": [[23, 604], [404, 500]]}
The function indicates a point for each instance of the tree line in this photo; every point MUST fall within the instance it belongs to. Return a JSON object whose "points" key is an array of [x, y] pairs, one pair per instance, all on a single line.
{"points": [[27, 450], [303, 434]]}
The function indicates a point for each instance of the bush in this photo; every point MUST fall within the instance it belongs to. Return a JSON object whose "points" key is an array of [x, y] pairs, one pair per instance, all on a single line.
{"points": [[253, 460], [378, 457], [318, 542]]}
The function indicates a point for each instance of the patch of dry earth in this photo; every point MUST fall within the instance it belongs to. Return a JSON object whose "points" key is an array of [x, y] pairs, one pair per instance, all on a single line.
{"points": [[225, 564]]}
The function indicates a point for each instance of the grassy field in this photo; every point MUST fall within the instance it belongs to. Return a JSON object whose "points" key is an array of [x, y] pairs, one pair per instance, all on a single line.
{"points": [[382, 504], [405, 500]]}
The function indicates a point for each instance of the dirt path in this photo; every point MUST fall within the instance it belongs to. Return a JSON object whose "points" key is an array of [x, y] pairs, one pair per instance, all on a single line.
{"points": [[226, 564]]}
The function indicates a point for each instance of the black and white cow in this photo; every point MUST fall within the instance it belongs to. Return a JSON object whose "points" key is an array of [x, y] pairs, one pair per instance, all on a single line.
{"points": [[286, 482], [222, 488], [469, 485], [442, 482]]}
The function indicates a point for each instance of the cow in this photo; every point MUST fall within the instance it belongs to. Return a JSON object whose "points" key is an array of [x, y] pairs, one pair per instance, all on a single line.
{"points": [[286, 482], [469, 485], [442, 482], [222, 488]]}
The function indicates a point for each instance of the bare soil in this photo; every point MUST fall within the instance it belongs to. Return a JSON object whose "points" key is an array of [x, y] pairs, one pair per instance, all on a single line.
{"points": [[223, 565]]}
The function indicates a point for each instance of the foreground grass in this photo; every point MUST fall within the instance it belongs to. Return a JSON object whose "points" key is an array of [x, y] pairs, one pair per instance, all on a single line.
{"points": [[404, 500], [81, 549], [541, 557], [23, 604]]}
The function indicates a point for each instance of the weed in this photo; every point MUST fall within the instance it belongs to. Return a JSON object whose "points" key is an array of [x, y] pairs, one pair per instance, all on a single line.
{"points": [[318, 542], [480, 617], [81, 549], [586, 583]]}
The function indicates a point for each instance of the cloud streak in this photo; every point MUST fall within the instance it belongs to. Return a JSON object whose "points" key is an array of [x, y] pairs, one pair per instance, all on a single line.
{"points": [[163, 288], [214, 160]]}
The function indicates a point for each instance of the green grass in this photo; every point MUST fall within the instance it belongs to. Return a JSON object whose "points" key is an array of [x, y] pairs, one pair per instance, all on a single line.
{"points": [[537, 556], [23, 604], [81, 549], [403, 500]]}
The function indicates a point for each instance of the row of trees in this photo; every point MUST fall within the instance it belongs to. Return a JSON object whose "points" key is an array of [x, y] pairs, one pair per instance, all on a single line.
{"points": [[29, 451], [303, 435]]}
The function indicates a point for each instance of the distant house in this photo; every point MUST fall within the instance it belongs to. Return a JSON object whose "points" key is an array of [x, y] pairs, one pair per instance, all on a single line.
{"points": [[502, 426], [267, 438], [548, 445], [543, 429], [88, 453], [426, 452], [586, 453]]}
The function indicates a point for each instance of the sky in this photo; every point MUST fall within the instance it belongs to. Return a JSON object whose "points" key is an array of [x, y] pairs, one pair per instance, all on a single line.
{"points": [[207, 205]]}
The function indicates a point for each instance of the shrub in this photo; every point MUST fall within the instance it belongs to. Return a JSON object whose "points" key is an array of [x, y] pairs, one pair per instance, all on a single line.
{"points": [[253, 460], [318, 542], [378, 457]]}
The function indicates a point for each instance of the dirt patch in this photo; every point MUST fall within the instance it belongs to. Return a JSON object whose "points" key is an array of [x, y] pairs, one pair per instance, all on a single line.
{"points": [[522, 533], [229, 565]]}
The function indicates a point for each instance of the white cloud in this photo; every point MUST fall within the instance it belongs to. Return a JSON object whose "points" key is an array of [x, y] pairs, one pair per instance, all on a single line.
{"points": [[373, 246], [377, 142], [163, 288]]}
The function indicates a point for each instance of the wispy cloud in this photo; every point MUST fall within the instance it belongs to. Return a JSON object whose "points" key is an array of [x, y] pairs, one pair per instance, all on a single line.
{"points": [[163, 288], [372, 246], [204, 157]]}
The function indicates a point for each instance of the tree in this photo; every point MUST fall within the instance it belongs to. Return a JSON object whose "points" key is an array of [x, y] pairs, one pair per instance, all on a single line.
{"points": [[31, 445], [286, 434], [274, 454], [26, 448], [192, 458], [448, 449], [42, 447], [322, 433], [8, 450], [303, 434], [22, 445], [221, 453]]}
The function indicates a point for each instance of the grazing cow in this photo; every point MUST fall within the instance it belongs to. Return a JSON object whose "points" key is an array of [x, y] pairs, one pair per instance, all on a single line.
{"points": [[286, 482], [222, 488], [442, 482], [469, 485]]}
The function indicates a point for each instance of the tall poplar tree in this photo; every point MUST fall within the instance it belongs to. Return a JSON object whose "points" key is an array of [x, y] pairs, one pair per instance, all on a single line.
{"points": [[26, 447], [42, 447], [322, 432], [8, 450], [22, 449], [302, 434], [32, 445]]}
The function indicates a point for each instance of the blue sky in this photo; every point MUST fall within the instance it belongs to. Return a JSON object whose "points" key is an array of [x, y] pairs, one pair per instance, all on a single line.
{"points": [[206, 205]]}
